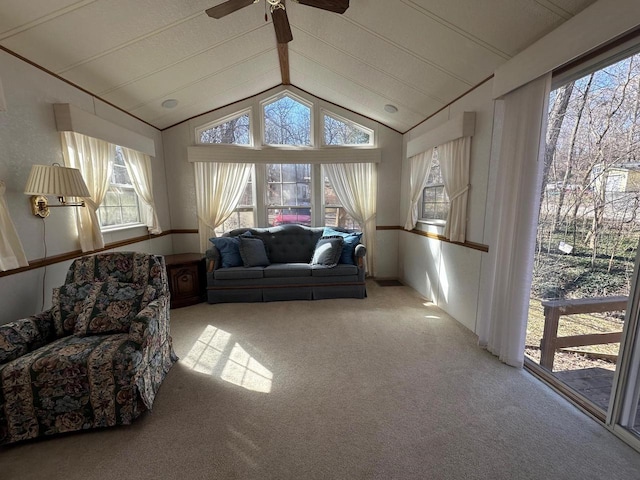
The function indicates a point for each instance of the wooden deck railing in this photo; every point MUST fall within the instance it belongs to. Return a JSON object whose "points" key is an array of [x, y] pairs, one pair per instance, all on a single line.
{"points": [[553, 309]]}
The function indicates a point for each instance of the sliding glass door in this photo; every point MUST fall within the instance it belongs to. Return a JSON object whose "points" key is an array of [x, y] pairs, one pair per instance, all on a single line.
{"points": [[585, 265]]}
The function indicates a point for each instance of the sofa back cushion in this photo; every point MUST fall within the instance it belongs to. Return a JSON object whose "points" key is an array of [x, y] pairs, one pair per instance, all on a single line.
{"points": [[130, 267], [112, 307], [289, 243]]}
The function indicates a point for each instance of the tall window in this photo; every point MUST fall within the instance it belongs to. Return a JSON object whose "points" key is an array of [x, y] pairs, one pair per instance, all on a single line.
{"points": [[435, 202], [244, 214], [287, 121], [289, 194], [231, 131], [120, 206], [334, 213], [339, 131]]}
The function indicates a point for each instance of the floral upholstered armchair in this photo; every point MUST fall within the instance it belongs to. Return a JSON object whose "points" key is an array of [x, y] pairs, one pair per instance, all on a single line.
{"points": [[96, 358]]}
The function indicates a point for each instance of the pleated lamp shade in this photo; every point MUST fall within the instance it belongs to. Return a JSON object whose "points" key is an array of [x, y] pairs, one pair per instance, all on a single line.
{"points": [[56, 180]]}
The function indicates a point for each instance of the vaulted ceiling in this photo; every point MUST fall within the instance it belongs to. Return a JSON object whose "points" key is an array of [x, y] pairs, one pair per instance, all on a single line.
{"points": [[418, 55]]}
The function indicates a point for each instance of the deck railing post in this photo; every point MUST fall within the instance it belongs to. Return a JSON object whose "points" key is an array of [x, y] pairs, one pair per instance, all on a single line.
{"points": [[549, 336]]}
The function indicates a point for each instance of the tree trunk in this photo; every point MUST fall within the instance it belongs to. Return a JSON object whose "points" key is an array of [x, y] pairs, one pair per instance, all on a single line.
{"points": [[570, 158], [556, 117]]}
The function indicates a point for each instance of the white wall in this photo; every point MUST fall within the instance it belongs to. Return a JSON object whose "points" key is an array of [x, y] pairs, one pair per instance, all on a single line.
{"points": [[182, 185], [446, 273], [28, 136]]}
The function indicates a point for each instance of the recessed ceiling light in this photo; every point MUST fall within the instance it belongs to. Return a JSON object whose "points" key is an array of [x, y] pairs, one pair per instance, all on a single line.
{"points": [[390, 108], [170, 103]]}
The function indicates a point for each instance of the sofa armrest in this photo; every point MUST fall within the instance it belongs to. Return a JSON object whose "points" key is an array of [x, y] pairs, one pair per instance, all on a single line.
{"points": [[146, 323], [213, 259], [358, 254], [25, 335]]}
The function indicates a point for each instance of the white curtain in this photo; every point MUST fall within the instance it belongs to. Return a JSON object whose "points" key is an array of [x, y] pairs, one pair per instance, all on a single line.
{"points": [[356, 185], [419, 166], [94, 158], [506, 276], [219, 187], [139, 167], [11, 251], [454, 165]]}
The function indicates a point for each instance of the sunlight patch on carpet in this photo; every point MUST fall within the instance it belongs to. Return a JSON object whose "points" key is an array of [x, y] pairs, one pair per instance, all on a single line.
{"points": [[215, 354]]}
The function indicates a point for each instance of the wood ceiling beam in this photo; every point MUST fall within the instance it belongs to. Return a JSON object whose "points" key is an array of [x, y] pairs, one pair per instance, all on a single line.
{"points": [[283, 57]]}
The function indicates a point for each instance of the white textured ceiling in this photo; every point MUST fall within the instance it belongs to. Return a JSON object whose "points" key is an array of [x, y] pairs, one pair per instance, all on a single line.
{"points": [[416, 54]]}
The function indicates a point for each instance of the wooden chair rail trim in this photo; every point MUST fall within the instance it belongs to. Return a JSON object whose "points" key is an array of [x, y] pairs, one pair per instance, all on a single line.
{"points": [[64, 257]]}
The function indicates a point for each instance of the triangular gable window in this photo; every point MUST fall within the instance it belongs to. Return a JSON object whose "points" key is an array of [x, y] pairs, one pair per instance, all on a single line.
{"points": [[287, 121], [232, 130], [340, 131]]}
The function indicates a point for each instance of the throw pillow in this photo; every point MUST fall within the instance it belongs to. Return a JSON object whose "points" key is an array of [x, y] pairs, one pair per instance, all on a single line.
{"points": [[67, 304], [327, 252], [229, 248], [253, 252], [112, 307], [348, 248]]}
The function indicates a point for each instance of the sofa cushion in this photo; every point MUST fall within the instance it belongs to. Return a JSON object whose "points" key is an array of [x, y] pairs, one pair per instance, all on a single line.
{"points": [[112, 307], [349, 246], [238, 273], [339, 270], [253, 252], [278, 270], [229, 248], [68, 301], [328, 251]]}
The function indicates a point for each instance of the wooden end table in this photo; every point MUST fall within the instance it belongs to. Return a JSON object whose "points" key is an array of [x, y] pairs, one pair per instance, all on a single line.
{"points": [[187, 278]]}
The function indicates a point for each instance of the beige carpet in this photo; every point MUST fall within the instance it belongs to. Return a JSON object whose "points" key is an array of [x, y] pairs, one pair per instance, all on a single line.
{"points": [[381, 388]]}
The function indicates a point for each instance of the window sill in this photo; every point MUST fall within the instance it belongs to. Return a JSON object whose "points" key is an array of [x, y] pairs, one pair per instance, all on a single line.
{"points": [[119, 228], [435, 223]]}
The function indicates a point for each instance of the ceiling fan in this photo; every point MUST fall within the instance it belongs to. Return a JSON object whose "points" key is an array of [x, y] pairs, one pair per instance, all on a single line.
{"points": [[278, 12]]}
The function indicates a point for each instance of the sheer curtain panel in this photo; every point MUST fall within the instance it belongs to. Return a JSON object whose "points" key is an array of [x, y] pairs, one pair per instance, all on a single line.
{"points": [[356, 185], [506, 276], [219, 187], [419, 167], [139, 167], [94, 158], [454, 165], [11, 251]]}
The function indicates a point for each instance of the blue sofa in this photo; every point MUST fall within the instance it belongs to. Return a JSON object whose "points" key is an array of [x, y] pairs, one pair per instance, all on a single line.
{"points": [[290, 275]]}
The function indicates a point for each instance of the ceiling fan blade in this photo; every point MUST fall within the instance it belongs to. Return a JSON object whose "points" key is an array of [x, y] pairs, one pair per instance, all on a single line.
{"points": [[337, 6], [281, 25], [227, 7]]}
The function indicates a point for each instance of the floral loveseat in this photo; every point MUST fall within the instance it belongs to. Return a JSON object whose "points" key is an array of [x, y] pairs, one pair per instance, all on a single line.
{"points": [[288, 268], [96, 358]]}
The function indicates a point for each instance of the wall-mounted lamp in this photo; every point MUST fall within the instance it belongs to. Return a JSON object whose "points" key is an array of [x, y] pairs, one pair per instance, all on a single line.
{"points": [[54, 180]]}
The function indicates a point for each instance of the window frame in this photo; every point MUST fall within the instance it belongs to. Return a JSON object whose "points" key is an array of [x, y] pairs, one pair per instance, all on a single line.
{"points": [[268, 206], [128, 187], [427, 217]]}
